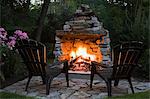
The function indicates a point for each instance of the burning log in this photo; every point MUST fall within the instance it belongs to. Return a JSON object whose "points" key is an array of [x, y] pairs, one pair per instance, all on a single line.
{"points": [[80, 64]]}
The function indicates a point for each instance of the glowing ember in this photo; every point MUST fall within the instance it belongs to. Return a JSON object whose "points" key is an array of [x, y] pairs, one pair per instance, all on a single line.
{"points": [[82, 51]]}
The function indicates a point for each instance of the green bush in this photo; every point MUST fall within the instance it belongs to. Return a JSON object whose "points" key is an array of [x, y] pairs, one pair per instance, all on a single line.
{"points": [[8, 61], [11, 66], [143, 71]]}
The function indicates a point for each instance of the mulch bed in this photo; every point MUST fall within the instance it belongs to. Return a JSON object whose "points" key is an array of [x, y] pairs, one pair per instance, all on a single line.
{"points": [[11, 80]]}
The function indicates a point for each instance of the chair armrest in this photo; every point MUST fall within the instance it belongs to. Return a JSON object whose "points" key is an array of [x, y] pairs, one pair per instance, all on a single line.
{"points": [[53, 69], [136, 65], [95, 66], [65, 65], [102, 70], [100, 64], [64, 61], [56, 68], [55, 65]]}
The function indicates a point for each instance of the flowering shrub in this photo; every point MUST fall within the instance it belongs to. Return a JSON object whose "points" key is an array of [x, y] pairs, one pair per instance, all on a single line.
{"points": [[8, 57]]}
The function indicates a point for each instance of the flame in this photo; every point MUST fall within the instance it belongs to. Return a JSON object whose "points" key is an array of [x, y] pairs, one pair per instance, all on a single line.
{"points": [[73, 54], [82, 51]]}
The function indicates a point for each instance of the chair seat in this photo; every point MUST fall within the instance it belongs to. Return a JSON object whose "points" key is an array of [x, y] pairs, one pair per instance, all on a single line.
{"points": [[105, 72], [54, 69]]}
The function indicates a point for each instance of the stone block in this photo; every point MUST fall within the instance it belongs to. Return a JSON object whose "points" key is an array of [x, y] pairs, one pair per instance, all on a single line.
{"points": [[54, 95]]}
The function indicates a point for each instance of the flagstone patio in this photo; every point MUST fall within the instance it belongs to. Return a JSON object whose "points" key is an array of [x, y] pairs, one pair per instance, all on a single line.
{"points": [[79, 88]]}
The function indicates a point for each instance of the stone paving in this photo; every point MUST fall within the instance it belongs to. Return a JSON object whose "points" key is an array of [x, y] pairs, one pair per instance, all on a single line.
{"points": [[79, 88]]}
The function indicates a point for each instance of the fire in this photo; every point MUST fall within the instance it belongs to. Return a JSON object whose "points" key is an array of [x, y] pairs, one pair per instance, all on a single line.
{"points": [[82, 51]]}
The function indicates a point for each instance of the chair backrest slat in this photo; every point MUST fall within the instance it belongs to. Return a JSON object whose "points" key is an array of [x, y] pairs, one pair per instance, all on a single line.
{"points": [[22, 48], [33, 54], [125, 58]]}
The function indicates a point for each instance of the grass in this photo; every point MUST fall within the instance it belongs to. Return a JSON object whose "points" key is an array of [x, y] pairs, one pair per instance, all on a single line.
{"points": [[6, 95], [140, 95]]}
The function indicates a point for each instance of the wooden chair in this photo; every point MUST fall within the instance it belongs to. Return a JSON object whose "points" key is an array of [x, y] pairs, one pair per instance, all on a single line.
{"points": [[125, 58], [34, 55]]}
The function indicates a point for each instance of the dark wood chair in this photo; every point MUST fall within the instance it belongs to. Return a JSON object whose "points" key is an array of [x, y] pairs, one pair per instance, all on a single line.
{"points": [[125, 58], [34, 57]]}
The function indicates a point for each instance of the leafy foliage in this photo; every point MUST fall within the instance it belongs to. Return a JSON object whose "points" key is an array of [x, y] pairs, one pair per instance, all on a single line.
{"points": [[143, 72], [14, 16]]}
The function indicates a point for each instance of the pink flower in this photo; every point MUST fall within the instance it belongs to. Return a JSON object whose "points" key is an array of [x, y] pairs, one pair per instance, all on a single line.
{"points": [[18, 32], [12, 38], [3, 33], [5, 39], [11, 44], [2, 30], [1, 41], [24, 36], [3, 36]]}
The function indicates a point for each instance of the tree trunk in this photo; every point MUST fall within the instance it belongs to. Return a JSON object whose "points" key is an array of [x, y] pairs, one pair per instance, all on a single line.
{"points": [[26, 6], [0, 12], [138, 19], [42, 19]]}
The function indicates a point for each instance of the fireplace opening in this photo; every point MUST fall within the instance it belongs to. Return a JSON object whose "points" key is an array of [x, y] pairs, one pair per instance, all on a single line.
{"points": [[80, 54]]}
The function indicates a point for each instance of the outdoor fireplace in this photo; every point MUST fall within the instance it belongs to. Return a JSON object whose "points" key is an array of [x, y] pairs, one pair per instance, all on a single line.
{"points": [[82, 40]]}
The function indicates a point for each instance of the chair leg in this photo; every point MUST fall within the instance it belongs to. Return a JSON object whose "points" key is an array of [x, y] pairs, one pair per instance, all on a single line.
{"points": [[108, 82], [28, 82], [92, 77], [67, 78], [65, 70], [129, 80], [43, 79], [116, 82], [48, 84]]}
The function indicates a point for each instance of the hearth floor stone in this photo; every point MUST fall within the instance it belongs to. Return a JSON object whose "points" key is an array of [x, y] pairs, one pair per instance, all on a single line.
{"points": [[79, 88]]}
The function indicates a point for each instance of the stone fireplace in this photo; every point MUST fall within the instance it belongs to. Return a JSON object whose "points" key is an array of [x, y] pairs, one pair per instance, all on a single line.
{"points": [[82, 40]]}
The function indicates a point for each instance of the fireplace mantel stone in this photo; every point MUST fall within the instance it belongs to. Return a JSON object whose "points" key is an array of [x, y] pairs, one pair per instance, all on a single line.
{"points": [[82, 35]]}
